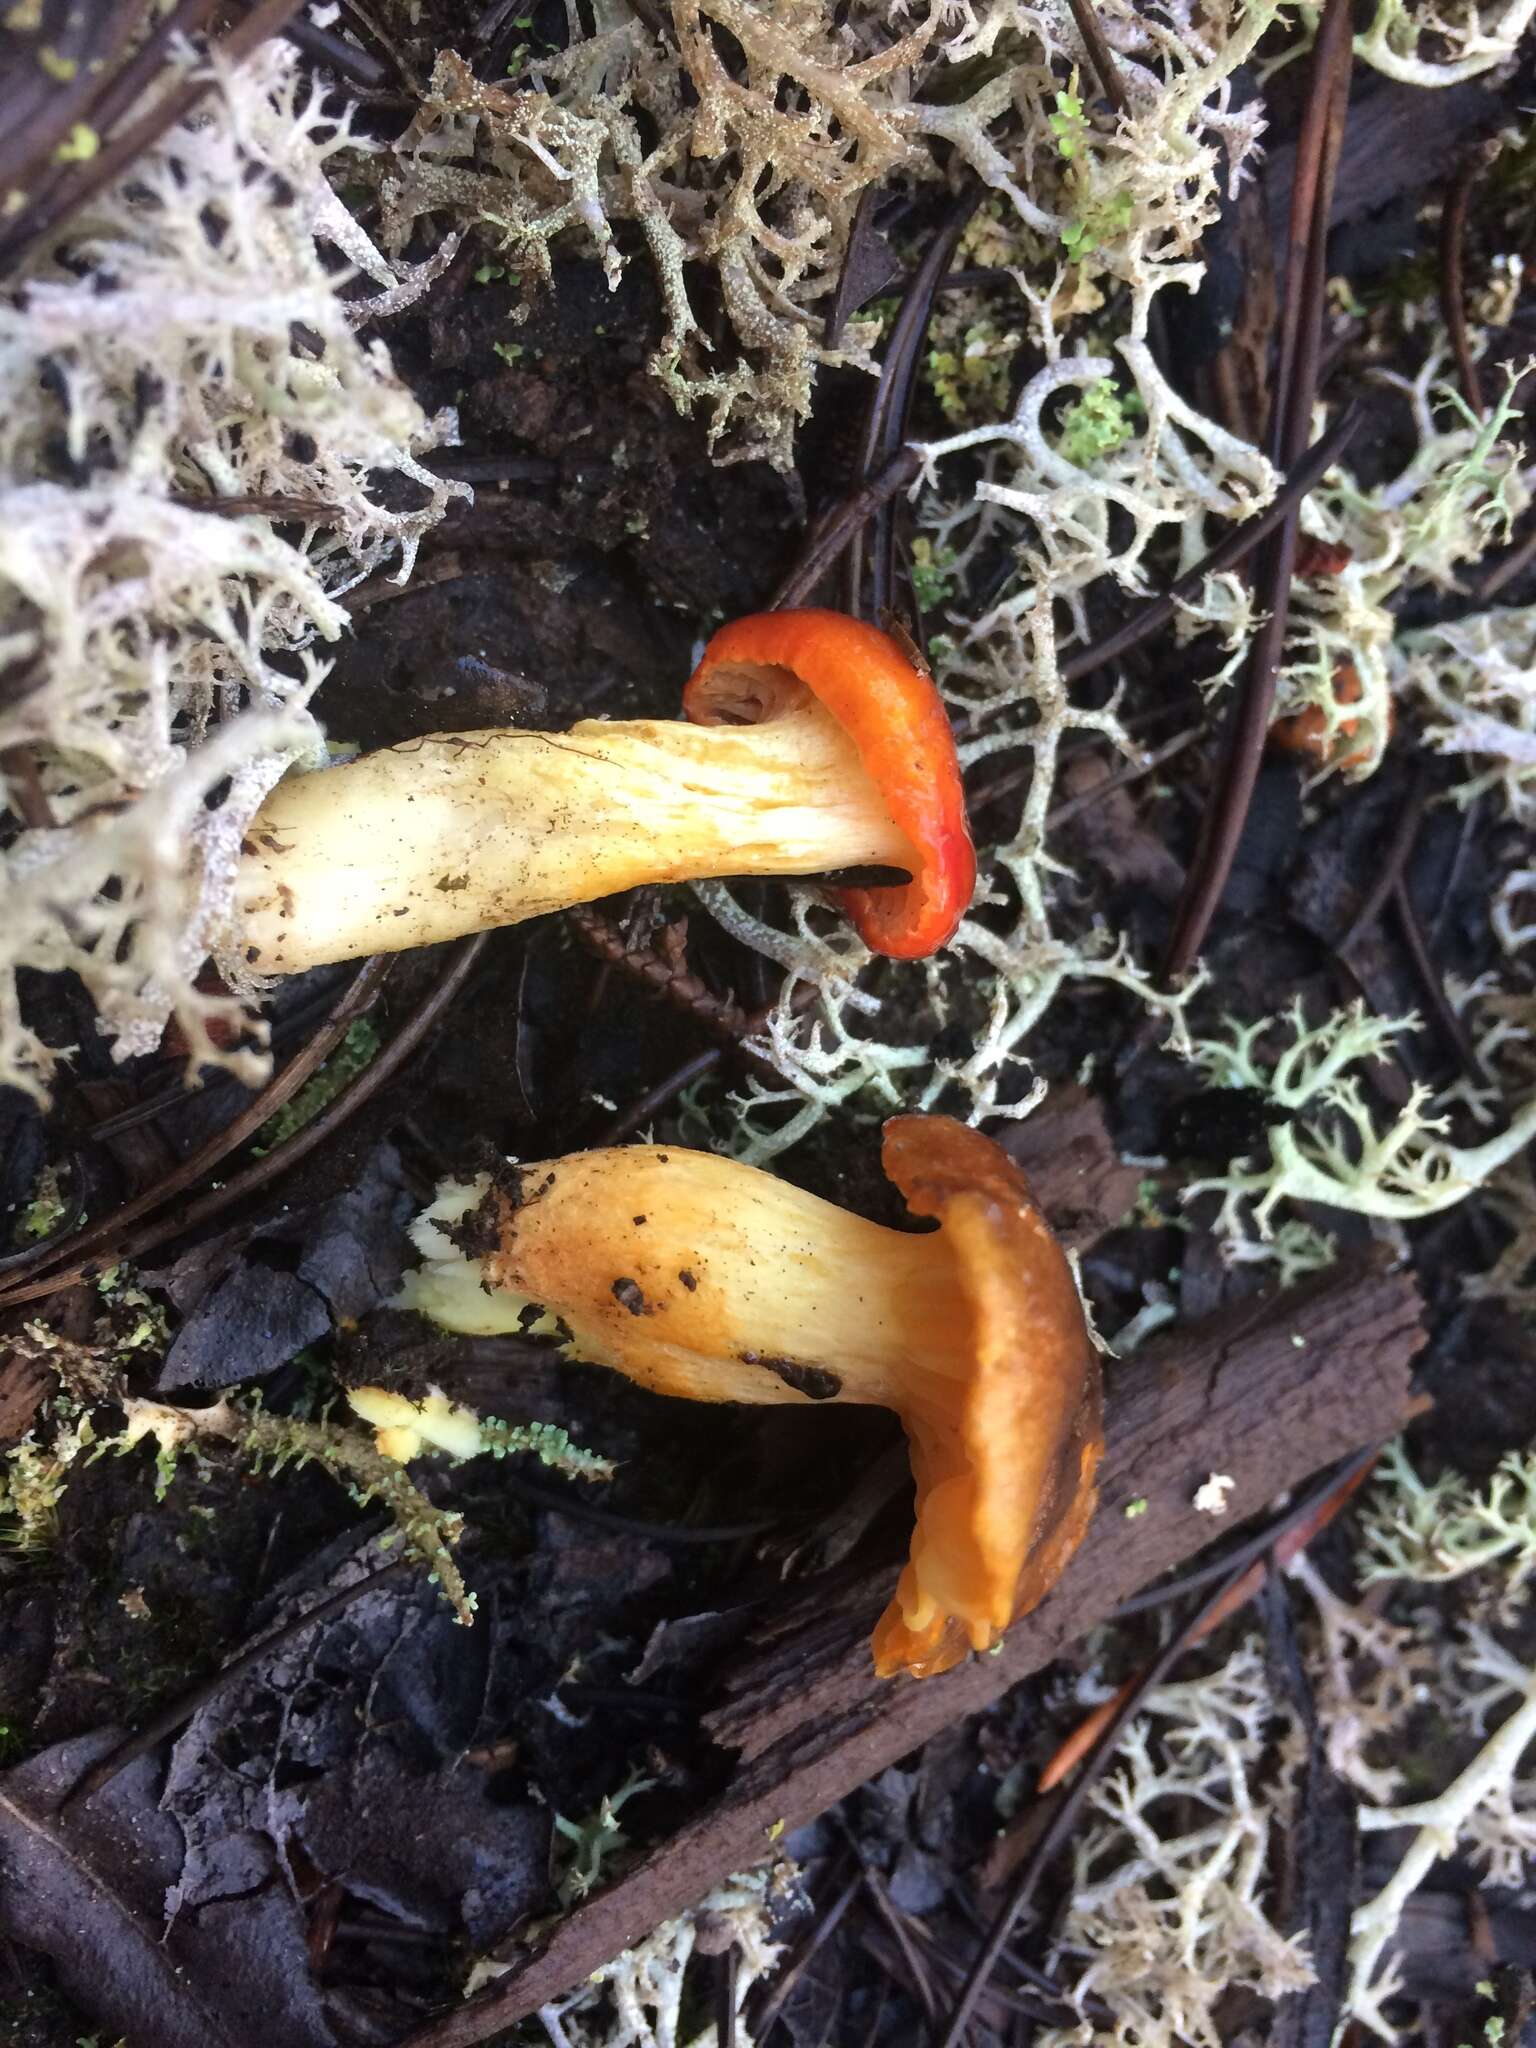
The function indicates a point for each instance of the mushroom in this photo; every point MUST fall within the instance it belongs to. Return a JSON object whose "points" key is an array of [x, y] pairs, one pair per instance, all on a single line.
{"points": [[704, 1278], [812, 745], [1305, 732]]}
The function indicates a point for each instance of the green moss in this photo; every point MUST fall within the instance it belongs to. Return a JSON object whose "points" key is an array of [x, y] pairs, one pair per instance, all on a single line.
{"points": [[1099, 422], [933, 581], [355, 1052]]}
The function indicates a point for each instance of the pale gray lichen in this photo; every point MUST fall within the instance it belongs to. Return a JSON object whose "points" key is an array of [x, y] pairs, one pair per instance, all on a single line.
{"points": [[1438, 44], [184, 341], [1453, 500], [1473, 682], [1171, 1906], [1430, 1531], [1374, 1673], [636, 2001]]}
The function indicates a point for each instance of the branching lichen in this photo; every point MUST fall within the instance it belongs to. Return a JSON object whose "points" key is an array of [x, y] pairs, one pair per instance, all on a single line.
{"points": [[1327, 1146], [636, 2001], [184, 345], [1429, 1531], [1170, 1905]]}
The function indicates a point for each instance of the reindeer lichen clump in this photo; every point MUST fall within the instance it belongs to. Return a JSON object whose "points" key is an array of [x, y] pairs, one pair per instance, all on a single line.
{"points": [[181, 354]]}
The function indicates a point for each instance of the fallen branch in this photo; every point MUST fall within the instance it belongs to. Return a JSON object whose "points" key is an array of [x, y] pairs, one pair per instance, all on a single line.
{"points": [[1267, 1394]]}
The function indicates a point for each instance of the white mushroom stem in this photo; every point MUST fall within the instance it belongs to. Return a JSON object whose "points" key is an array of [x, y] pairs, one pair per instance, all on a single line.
{"points": [[461, 832]]}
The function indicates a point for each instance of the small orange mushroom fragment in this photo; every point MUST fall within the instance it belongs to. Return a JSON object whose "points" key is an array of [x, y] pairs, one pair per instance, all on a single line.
{"points": [[812, 745], [707, 1279], [1306, 732]]}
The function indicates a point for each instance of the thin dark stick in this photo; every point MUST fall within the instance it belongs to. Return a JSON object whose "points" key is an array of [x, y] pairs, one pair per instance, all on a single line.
{"points": [[885, 426], [304, 1141], [359, 997], [1063, 1821], [1100, 55], [1393, 862], [654, 1100], [1245, 729], [1127, 772], [833, 532], [1448, 888], [1512, 566], [1226, 555], [726, 1968], [324, 46], [896, 1922], [1441, 1008], [167, 1722], [1233, 1562], [311, 510], [1453, 305], [35, 136]]}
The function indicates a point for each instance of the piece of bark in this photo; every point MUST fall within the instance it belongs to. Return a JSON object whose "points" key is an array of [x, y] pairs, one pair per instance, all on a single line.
{"points": [[24, 1380], [1074, 1171], [1266, 1394], [1399, 139]]}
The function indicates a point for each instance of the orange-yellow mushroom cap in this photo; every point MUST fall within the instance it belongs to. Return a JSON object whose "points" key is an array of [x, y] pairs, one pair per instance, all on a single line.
{"points": [[709, 1280], [1005, 1473]]}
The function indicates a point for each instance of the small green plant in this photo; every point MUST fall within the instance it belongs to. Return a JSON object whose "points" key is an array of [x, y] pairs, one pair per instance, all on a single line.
{"points": [[1099, 421], [592, 1840], [46, 1209], [1067, 123], [933, 581]]}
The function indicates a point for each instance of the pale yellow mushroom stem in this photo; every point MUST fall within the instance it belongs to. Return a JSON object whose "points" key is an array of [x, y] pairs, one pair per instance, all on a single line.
{"points": [[461, 832]]}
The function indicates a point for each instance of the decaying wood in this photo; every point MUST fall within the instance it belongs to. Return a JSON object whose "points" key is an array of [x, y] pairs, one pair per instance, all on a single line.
{"points": [[1266, 1394]]}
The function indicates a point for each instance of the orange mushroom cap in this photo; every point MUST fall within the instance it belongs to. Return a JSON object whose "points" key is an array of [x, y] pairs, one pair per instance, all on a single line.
{"points": [[896, 719], [1005, 1484]]}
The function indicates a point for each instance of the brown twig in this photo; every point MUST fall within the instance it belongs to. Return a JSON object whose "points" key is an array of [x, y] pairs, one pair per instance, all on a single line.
{"points": [[1100, 55], [288, 1154], [323, 45], [834, 531], [67, 195], [820, 1932], [1243, 735], [1451, 1026], [726, 1970], [656, 1099], [359, 998], [271, 506], [171, 1718], [885, 425], [1453, 304], [1393, 862], [1514, 564], [18, 765]]}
